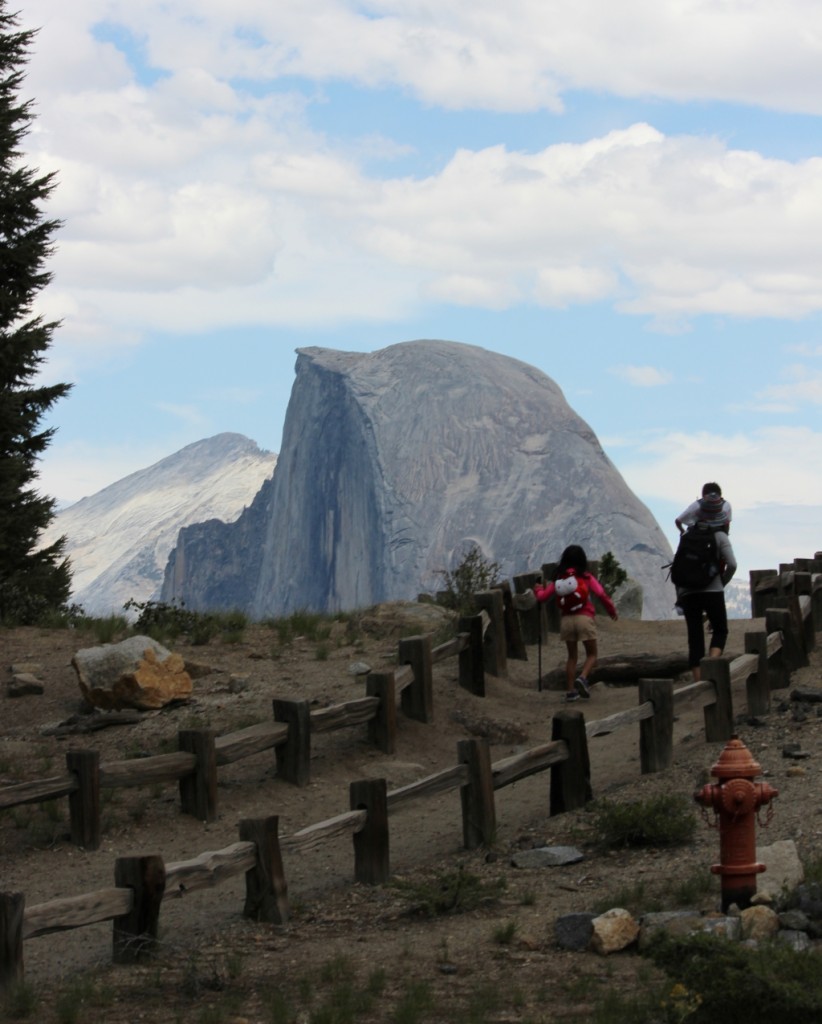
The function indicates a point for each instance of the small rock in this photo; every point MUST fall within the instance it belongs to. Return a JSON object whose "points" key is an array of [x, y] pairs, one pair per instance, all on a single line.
{"points": [[237, 684], [795, 771], [759, 923], [198, 669], [27, 668], [671, 922], [613, 931], [807, 694], [359, 668], [797, 940], [723, 927], [574, 931], [24, 685], [810, 899], [547, 857], [783, 868], [795, 751], [794, 920]]}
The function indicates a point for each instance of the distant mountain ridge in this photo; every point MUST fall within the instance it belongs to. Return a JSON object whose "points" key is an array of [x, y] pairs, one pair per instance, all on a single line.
{"points": [[119, 539], [392, 463]]}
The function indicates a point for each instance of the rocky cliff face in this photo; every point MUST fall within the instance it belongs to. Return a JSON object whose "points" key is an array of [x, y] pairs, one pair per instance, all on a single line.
{"points": [[119, 539], [393, 463]]}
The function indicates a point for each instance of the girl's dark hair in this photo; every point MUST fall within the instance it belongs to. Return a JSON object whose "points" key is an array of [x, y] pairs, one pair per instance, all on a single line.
{"points": [[573, 557]]}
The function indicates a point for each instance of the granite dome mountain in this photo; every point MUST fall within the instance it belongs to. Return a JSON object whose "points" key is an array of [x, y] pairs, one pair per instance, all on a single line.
{"points": [[119, 539], [392, 464]]}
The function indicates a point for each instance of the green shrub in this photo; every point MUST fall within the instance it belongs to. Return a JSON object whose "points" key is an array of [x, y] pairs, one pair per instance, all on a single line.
{"points": [[664, 820], [472, 574], [610, 573], [162, 621], [740, 984], [453, 892]]}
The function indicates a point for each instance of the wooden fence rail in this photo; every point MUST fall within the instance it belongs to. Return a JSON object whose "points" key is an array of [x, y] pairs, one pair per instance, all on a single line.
{"points": [[143, 883]]}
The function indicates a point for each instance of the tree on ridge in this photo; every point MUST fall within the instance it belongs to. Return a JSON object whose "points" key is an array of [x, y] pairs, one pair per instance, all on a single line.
{"points": [[32, 581]]}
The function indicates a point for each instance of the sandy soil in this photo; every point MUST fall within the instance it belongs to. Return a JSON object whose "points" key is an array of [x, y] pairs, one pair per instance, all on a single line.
{"points": [[204, 938]]}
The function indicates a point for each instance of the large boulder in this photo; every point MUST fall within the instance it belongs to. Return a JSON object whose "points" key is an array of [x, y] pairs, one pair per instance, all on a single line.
{"points": [[136, 673]]}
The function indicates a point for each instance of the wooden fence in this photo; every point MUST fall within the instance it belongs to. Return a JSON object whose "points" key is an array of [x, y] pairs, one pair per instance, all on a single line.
{"points": [[141, 884], [479, 646]]}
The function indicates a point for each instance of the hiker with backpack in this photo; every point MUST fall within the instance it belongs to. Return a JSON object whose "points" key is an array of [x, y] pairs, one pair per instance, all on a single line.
{"points": [[703, 565], [572, 589], [711, 508]]}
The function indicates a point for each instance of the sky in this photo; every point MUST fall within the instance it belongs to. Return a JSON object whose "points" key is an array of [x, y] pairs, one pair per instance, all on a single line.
{"points": [[626, 196]]}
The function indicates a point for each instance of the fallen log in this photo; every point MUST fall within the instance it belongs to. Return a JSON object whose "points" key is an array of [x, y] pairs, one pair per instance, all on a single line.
{"points": [[618, 668], [91, 723]]}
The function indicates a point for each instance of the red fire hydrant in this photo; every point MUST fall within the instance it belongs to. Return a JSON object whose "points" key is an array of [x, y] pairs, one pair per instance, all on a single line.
{"points": [[736, 800]]}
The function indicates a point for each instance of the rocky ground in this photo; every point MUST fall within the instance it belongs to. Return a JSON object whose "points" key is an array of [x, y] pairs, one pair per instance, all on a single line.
{"points": [[351, 942]]}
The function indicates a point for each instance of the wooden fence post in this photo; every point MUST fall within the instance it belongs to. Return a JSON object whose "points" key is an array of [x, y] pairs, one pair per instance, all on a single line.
{"points": [[417, 700], [794, 644], [758, 684], [471, 666], [198, 791], [135, 933], [371, 860], [514, 644], [382, 728], [12, 906], [493, 647], [803, 587], [778, 620], [84, 802], [719, 716], [816, 604], [656, 734], [479, 816], [760, 599], [294, 756], [529, 620], [571, 779], [266, 891]]}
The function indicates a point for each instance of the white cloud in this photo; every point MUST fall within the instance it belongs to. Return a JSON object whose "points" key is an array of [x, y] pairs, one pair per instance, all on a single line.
{"points": [[201, 197], [467, 53], [305, 236], [642, 376], [781, 456], [802, 385]]}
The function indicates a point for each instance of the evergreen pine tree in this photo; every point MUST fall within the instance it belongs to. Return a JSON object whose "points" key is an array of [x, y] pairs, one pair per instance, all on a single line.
{"points": [[31, 581]]}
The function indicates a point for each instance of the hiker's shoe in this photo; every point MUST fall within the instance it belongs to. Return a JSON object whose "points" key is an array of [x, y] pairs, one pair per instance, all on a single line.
{"points": [[570, 697], [583, 689]]}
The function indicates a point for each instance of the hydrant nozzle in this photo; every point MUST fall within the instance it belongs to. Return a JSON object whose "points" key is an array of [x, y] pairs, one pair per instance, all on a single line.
{"points": [[736, 799]]}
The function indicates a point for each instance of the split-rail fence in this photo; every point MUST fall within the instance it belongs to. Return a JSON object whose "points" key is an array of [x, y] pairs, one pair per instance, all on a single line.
{"points": [[789, 599]]}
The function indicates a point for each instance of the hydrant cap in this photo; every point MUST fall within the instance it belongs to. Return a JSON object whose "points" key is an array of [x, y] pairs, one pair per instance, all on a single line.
{"points": [[735, 762]]}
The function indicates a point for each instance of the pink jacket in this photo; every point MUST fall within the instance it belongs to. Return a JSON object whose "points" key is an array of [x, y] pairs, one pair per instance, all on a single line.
{"points": [[545, 593]]}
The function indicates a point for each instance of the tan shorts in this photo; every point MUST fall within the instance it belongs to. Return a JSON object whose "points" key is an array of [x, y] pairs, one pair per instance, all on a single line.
{"points": [[577, 627]]}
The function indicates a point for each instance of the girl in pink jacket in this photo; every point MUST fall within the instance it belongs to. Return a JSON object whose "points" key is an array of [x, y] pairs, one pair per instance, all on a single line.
{"points": [[572, 588]]}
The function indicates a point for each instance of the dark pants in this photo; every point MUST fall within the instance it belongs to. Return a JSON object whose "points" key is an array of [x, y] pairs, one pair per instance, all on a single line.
{"points": [[712, 603]]}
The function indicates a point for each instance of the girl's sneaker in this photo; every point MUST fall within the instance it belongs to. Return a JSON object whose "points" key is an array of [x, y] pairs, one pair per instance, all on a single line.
{"points": [[570, 697], [583, 689]]}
